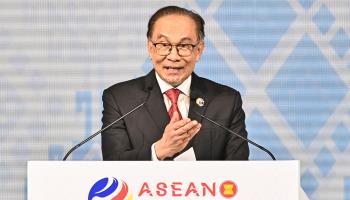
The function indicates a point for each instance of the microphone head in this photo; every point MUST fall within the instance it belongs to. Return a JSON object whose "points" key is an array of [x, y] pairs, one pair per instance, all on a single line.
{"points": [[200, 102]]}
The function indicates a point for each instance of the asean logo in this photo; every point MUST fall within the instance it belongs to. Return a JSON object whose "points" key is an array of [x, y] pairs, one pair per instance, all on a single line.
{"points": [[110, 189], [228, 189]]}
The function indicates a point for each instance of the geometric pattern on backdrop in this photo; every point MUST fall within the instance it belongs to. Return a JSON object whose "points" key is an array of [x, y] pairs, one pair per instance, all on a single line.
{"points": [[290, 59]]}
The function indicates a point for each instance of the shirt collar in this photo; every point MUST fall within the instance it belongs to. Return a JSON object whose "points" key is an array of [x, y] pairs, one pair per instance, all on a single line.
{"points": [[184, 87]]}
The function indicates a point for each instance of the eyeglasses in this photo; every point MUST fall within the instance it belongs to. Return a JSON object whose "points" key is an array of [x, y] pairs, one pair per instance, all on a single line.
{"points": [[164, 49]]}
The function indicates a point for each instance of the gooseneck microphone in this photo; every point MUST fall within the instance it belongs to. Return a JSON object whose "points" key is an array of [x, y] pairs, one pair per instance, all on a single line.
{"points": [[200, 102], [109, 125]]}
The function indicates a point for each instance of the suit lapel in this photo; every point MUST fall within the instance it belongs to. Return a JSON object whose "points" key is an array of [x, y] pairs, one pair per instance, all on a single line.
{"points": [[155, 104], [202, 141], [197, 92]]}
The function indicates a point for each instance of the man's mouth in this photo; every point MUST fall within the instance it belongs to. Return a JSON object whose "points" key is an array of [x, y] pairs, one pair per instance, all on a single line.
{"points": [[173, 68]]}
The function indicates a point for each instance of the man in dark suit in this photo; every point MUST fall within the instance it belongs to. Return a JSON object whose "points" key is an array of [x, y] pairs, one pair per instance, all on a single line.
{"points": [[168, 124]]}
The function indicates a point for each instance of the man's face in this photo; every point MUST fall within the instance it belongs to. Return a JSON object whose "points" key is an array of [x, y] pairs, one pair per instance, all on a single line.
{"points": [[175, 29]]}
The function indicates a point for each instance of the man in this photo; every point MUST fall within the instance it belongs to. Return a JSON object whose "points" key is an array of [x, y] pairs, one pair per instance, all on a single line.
{"points": [[168, 124]]}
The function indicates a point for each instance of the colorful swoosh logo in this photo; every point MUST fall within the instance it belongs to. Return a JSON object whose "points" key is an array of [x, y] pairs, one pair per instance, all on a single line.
{"points": [[101, 189]]}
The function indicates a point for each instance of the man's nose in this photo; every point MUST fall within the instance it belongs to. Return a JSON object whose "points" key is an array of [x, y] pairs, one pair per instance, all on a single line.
{"points": [[173, 55]]}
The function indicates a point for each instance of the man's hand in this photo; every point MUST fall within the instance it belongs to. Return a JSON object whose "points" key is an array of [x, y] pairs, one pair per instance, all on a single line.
{"points": [[176, 136]]}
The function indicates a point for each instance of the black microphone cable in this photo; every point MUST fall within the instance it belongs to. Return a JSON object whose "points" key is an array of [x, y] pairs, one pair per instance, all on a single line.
{"points": [[200, 102]]}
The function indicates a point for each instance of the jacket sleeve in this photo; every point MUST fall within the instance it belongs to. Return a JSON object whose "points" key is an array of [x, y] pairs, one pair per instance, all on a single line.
{"points": [[116, 144]]}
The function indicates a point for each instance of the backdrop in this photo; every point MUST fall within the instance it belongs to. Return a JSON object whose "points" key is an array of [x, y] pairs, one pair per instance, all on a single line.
{"points": [[290, 60]]}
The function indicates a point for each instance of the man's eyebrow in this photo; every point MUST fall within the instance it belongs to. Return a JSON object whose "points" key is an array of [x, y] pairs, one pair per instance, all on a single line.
{"points": [[185, 39], [162, 36]]}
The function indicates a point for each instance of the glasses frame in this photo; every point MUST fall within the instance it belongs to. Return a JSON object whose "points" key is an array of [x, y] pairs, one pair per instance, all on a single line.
{"points": [[176, 47]]}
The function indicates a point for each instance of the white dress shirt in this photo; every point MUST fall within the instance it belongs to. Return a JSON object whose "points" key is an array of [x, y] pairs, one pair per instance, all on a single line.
{"points": [[183, 101]]}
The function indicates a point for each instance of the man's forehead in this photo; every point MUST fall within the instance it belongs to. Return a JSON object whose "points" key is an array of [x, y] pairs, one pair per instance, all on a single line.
{"points": [[173, 27]]}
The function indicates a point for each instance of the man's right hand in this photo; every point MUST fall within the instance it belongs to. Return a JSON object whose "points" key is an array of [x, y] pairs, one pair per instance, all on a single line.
{"points": [[176, 136]]}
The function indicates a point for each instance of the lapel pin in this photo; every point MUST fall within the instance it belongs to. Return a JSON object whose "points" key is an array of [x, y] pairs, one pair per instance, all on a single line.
{"points": [[200, 102]]}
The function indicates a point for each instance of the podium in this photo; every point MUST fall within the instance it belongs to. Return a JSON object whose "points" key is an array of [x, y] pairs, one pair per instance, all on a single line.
{"points": [[95, 180]]}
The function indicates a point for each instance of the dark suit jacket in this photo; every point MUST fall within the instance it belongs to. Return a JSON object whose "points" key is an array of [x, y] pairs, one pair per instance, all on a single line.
{"points": [[132, 138]]}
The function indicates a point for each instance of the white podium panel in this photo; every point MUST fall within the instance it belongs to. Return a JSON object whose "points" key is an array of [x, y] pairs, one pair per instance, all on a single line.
{"points": [[97, 180]]}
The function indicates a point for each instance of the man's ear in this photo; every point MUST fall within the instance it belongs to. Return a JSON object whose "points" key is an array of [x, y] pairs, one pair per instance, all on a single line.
{"points": [[150, 48], [199, 50]]}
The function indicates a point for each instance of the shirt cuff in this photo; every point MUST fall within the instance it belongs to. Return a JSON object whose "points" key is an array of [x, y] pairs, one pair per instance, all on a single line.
{"points": [[154, 155]]}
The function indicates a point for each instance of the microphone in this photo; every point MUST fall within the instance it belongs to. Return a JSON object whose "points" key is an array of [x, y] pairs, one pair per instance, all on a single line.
{"points": [[109, 125], [200, 102]]}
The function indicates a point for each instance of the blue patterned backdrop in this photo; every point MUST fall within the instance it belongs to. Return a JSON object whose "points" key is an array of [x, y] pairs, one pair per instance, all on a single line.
{"points": [[290, 60]]}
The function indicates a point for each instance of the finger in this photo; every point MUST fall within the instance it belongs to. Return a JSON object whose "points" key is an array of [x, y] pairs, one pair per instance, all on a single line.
{"points": [[181, 123], [194, 129], [187, 135], [195, 132], [191, 133], [187, 127]]}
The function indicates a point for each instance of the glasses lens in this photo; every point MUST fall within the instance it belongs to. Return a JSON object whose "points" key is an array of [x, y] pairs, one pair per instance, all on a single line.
{"points": [[184, 52], [164, 49]]}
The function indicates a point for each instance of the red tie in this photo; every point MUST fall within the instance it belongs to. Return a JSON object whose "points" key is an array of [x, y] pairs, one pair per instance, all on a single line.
{"points": [[173, 95]]}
